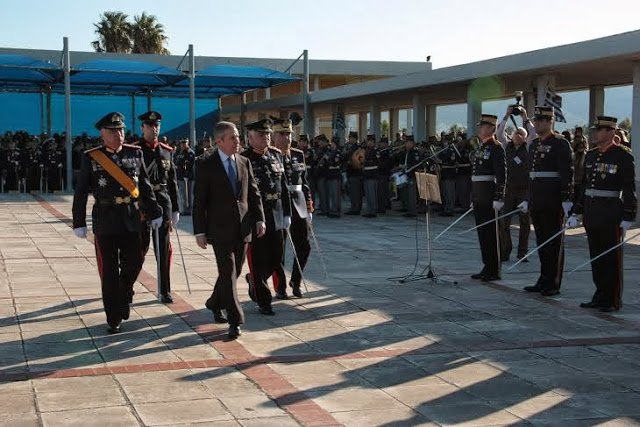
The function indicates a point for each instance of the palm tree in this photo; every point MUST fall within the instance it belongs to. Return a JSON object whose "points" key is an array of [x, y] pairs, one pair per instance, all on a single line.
{"points": [[148, 36], [113, 32]]}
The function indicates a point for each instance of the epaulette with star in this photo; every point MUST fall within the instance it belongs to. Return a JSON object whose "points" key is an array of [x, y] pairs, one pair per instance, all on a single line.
{"points": [[625, 148], [168, 147]]}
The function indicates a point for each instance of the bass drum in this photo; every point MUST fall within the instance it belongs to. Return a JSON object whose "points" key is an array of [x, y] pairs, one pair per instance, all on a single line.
{"points": [[400, 179]]}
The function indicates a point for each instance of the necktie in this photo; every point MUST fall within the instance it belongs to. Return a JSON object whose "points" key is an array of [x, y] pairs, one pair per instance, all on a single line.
{"points": [[232, 176]]}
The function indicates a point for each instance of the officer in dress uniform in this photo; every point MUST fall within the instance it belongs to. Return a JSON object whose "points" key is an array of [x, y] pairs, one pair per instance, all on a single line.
{"points": [[10, 166], [114, 174], [550, 194], [370, 172], [608, 206], [185, 159], [354, 175], [266, 253], [158, 163], [488, 180], [334, 178], [30, 165], [52, 160], [301, 207]]}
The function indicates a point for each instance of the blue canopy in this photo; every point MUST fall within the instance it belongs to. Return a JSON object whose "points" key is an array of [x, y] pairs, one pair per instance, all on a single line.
{"points": [[18, 71]]}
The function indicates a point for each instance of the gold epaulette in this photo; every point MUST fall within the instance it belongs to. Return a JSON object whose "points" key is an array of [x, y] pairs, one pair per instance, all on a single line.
{"points": [[168, 147], [277, 150], [296, 150]]}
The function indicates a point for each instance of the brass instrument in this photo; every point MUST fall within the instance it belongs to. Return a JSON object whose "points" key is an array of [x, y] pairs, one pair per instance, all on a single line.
{"points": [[357, 158]]}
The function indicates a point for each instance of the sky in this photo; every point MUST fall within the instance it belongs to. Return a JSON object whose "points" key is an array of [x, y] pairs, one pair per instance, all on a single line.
{"points": [[451, 32]]}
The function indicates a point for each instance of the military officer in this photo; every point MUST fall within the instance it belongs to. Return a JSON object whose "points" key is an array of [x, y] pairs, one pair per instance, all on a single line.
{"points": [[184, 160], [354, 175], [31, 166], [448, 159], [266, 253], [322, 170], [301, 207], [408, 159], [157, 161], [334, 178], [53, 161], [310, 160], [549, 197], [608, 206], [488, 181], [463, 174], [370, 173], [121, 188], [10, 165]]}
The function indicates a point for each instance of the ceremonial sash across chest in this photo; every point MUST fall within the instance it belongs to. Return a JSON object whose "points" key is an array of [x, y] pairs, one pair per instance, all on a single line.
{"points": [[114, 170]]}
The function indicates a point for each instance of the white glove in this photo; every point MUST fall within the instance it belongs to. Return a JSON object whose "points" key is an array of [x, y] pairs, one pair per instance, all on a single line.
{"points": [[566, 207], [310, 217], [573, 221], [81, 232], [287, 221], [175, 217], [498, 204], [156, 223], [625, 225], [524, 206]]}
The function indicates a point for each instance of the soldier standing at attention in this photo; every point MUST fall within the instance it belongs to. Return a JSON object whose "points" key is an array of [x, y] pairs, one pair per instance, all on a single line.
{"points": [[114, 174]]}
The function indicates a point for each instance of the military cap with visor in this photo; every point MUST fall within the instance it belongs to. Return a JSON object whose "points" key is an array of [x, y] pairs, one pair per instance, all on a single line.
{"points": [[262, 126], [605, 122], [112, 120], [150, 117]]}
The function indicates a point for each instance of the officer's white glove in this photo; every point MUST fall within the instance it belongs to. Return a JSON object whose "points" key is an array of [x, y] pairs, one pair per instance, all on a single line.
{"points": [[310, 217], [524, 206], [498, 205], [156, 223], [573, 221], [625, 225], [566, 207], [80, 232], [287, 221], [175, 217]]}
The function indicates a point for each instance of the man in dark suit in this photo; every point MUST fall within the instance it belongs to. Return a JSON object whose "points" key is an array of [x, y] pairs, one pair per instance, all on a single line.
{"points": [[226, 207]]}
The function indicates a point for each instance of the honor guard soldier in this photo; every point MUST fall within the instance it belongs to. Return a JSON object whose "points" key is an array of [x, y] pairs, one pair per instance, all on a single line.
{"points": [[385, 165], [370, 173], [322, 170], [488, 181], [31, 165], [301, 207], [53, 162], [158, 163], [354, 175], [10, 165], [449, 158], [550, 195], [184, 160], [408, 192], [334, 178], [114, 174], [608, 206], [266, 253]]}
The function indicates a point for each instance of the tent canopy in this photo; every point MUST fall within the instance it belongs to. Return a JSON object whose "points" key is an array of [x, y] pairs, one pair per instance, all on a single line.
{"points": [[122, 77]]}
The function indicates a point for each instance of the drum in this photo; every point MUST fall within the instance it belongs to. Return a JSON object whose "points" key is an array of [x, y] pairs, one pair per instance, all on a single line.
{"points": [[400, 179]]}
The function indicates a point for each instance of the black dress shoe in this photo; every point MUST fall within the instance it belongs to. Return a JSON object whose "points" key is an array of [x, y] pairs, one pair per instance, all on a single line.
{"points": [[234, 332], [219, 317], [166, 299], [522, 256], [114, 328], [296, 292], [478, 276], [282, 295], [369, 215], [534, 288], [608, 309], [590, 304], [549, 292], [266, 310], [352, 213], [409, 215], [491, 277]]}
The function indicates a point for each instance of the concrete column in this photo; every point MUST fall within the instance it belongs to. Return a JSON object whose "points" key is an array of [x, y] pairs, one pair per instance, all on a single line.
{"points": [[255, 95], [362, 125], [374, 117], [316, 83], [474, 109], [409, 112], [596, 102], [419, 119], [267, 93], [431, 120], [635, 115], [394, 123], [529, 102]]}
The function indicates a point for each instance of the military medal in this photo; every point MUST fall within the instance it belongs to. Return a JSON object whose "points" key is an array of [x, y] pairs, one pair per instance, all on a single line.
{"points": [[102, 182]]}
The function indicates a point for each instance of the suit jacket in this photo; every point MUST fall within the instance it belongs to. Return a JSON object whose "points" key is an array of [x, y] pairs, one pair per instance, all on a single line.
{"points": [[223, 216]]}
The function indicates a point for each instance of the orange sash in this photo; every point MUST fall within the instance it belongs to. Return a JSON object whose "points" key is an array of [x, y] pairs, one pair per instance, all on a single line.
{"points": [[117, 173]]}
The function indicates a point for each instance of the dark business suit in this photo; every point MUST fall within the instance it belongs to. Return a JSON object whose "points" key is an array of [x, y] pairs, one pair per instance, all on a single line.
{"points": [[227, 219]]}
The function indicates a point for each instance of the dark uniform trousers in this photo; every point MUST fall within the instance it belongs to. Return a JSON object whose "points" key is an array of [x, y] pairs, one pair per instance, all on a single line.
{"points": [[383, 192], [334, 196], [299, 232], [512, 198], [606, 270], [548, 222], [371, 195], [264, 256], [448, 194], [225, 295], [119, 262], [487, 237], [166, 252], [355, 193]]}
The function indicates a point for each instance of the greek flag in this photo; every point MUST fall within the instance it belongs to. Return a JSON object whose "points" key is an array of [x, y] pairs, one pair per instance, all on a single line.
{"points": [[555, 101]]}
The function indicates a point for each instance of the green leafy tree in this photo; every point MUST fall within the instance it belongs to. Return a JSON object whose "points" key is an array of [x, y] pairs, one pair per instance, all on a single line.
{"points": [[113, 33], [148, 35], [625, 124], [385, 128]]}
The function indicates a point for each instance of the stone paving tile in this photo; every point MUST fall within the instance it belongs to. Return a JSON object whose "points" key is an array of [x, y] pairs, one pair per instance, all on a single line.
{"points": [[110, 417], [77, 393], [350, 399], [395, 417], [191, 411], [468, 414]]}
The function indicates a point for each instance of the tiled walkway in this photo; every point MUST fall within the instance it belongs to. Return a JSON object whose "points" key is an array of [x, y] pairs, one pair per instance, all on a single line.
{"points": [[361, 350]]}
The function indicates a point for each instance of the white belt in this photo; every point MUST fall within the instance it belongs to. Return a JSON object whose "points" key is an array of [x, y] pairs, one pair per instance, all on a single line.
{"points": [[592, 192], [482, 178], [370, 168], [292, 188], [544, 175]]}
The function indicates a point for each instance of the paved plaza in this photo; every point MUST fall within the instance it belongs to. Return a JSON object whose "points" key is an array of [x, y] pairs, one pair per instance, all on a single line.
{"points": [[359, 350]]}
